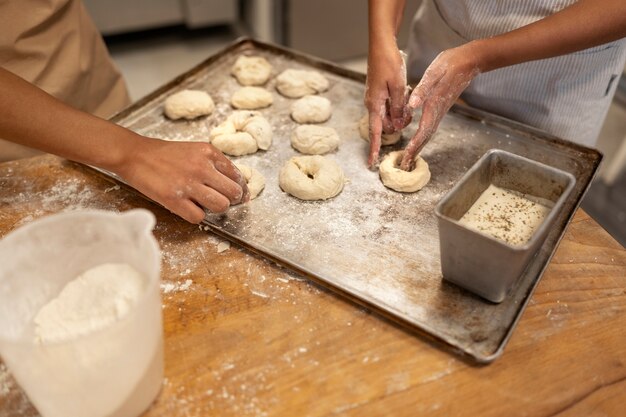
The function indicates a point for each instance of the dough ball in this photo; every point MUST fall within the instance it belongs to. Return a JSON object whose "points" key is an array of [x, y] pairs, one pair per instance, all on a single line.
{"points": [[251, 98], [242, 133], [251, 70], [299, 83], [311, 109], [405, 181], [364, 130], [311, 177], [188, 104], [314, 140], [254, 179]]}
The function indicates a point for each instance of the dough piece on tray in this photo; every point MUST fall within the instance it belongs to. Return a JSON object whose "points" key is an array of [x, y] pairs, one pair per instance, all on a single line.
{"points": [[251, 98], [404, 181], [251, 70], [294, 83], [311, 109], [188, 104], [386, 139], [254, 179], [314, 140], [242, 133], [311, 177]]}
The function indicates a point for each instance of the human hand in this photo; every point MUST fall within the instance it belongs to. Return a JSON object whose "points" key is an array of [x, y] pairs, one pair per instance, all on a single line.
{"points": [[184, 177], [443, 82], [385, 95]]}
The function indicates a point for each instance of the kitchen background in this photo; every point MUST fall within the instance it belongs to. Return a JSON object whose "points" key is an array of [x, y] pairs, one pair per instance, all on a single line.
{"points": [[152, 41]]}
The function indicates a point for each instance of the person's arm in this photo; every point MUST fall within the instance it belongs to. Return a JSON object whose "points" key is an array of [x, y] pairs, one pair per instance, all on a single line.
{"points": [[182, 176], [385, 94], [582, 25]]}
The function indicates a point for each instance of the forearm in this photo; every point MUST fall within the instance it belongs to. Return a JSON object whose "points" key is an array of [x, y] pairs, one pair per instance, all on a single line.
{"points": [[33, 118], [582, 25], [385, 17]]}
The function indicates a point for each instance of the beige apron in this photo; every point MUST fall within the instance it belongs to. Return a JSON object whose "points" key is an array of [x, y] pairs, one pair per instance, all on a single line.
{"points": [[55, 45], [567, 96]]}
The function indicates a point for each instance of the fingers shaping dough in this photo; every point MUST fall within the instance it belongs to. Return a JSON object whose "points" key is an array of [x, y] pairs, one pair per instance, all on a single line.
{"points": [[251, 70], [251, 98], [314, 140], [254, 179], [404, 181], [311, 177], [364, 131], [311, 109], [188, 104], [242, 133], [299, 83]]}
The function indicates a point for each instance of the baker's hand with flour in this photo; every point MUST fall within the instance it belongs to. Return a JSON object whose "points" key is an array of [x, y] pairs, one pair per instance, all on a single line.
{"points": [[181, 176], [442, 84]]}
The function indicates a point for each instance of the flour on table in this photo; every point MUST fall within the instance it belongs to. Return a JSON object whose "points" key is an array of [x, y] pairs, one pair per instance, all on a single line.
{"points": [[93, 301]]}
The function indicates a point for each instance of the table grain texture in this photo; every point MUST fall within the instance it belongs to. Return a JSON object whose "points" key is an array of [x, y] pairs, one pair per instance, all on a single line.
{"points": [[244, 337]]}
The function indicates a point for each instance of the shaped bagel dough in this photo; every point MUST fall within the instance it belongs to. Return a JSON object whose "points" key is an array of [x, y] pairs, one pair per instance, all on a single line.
{"points": [[314, 140], [294, 83], [251, 98], [404, 181], [254, 179], [242, 133], [311, 177], [386, 139], [188, 104], [251, 70], [311, 109]]}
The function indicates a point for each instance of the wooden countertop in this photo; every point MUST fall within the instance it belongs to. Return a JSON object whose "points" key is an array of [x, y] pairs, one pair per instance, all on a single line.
{"points": [[244, 337]]}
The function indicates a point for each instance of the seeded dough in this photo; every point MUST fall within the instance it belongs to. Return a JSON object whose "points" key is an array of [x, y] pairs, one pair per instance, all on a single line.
{"points": [[404, 181], [311, 109], [188, 104], [242, 133], [254, 179], [299, 83], [314, 140], [251, 70], [311, 177], [364, 130], [251, 98]]}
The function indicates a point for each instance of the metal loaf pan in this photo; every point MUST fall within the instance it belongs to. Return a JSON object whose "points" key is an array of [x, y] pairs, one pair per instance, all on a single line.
{"points": [[484, 265]]}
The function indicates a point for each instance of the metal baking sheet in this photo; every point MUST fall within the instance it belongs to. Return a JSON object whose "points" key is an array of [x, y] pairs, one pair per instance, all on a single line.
{"points": [[375, 246]]}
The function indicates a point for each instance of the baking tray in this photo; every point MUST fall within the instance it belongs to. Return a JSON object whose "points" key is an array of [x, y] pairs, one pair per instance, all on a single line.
{"points": [[374, 246]]}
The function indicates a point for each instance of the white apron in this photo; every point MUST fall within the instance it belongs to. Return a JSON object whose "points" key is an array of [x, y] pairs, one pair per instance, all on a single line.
{"points": [[567, 96]]}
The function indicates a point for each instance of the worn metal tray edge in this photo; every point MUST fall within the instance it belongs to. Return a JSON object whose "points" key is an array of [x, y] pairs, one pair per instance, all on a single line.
{"points": [[460, 109]]}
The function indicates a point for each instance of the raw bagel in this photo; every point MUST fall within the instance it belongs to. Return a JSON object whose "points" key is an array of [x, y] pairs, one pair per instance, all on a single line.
{"points": [[314, 140], [404, 181], [188, 104], [311, 177], [254, 179], [242, 133], [251, 70], [311, 109], [299, 83], [251, 98], [364, 130]]}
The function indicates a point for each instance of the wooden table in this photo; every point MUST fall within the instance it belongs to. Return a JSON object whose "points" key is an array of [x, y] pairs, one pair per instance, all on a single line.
{"points": [[244, 337]]}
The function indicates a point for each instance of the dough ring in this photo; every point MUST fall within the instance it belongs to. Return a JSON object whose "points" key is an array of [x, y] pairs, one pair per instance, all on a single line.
{"points": [[242, 133], [311, 177], [299, 83], [188, 104], [251, 70], [254, 179], [314, 140], [364, 130], [251, 98], [311, 109], [404, 181]]}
